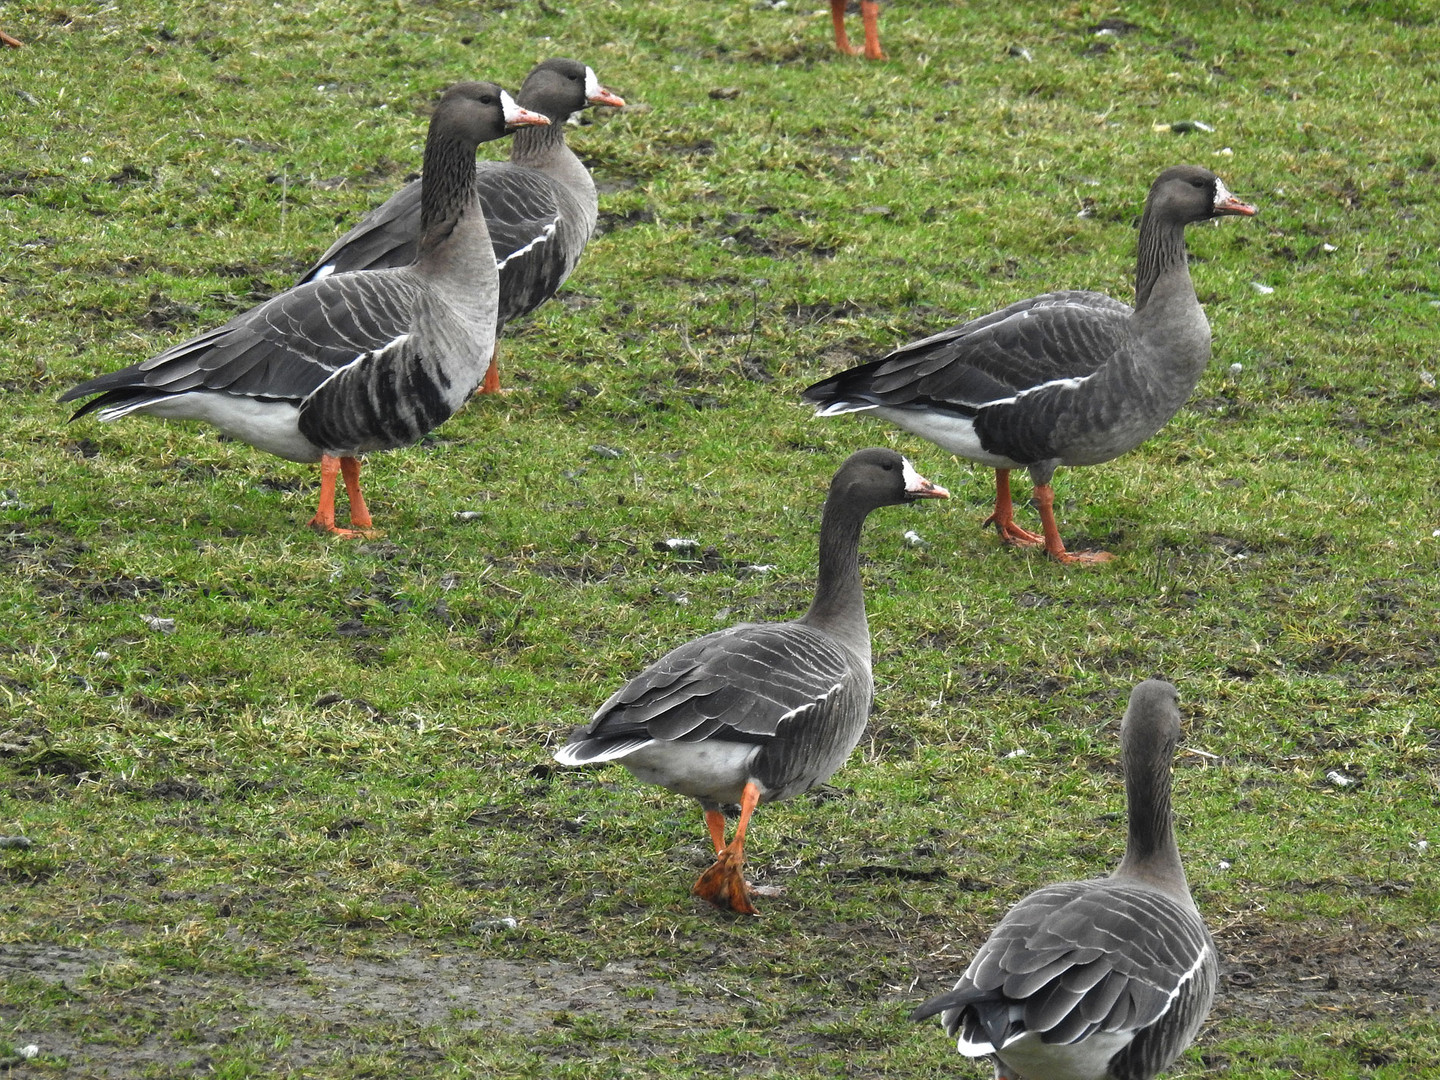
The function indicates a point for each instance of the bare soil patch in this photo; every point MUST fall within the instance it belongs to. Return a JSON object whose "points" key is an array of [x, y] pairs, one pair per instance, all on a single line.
{"points": [[1293, 976]]}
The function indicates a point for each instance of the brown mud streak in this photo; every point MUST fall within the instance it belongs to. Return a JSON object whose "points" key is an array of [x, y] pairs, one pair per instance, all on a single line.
{"points": [[1299, 976]]}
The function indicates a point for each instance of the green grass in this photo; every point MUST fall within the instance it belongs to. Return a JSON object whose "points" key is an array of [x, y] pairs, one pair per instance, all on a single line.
{"points": [[284, 839]]}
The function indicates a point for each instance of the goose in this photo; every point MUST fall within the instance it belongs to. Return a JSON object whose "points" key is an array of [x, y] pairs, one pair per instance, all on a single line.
{"points": [[540, 205], [870, 19], [761, 711], [1107, 979], [351, 363], [1064, 378]]}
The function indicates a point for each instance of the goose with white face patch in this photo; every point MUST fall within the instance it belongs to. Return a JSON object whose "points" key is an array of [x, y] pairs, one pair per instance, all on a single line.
{"points": [[761, 711], [351, 363], [1065, 378], [1098, 980], [540, 205]]}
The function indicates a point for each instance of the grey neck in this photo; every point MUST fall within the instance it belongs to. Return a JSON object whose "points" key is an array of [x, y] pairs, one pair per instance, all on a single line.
{"points": [[839, 604], [1151, 854], [1162, 254], [448, 187], [535, 147]]}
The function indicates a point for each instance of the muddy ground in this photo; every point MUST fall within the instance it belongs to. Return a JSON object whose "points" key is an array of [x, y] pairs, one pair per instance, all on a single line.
{"points": [[1298, 978]]}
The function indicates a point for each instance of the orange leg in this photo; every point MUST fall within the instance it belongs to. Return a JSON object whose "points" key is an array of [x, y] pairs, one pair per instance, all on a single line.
{"points": [[491, 385], [715, 822], [359, 512], [870, 16], [1004, 516], [837, 17], [6, 39], [1045, 500], [324, 519], [724, 883]]}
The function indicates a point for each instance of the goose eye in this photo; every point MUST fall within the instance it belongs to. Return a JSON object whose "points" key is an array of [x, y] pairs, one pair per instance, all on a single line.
{"points": [[486, 99]]}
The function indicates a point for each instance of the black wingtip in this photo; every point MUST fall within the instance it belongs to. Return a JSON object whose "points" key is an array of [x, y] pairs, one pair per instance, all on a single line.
{"points": [[939, 1004]]}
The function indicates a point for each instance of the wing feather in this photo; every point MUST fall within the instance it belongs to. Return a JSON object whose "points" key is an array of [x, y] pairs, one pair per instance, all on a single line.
{"points": [[1082, 957], [745, 683]]}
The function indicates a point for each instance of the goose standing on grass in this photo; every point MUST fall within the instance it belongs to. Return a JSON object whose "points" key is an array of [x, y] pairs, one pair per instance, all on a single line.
{"points": [[1098, 980], [540, 205], [761, 711], [354, 362], [1065, 378]]}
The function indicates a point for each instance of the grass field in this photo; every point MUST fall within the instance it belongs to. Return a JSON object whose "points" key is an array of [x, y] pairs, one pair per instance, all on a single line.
{"points": [[311, 828]]}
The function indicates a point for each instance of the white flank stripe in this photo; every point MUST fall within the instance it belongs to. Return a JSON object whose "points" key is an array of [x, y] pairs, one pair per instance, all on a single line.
{"points": [[810, 704], [840, 408], [324, 272], [1180, 985], [1064, 384], [393, 343], [546, 234]]}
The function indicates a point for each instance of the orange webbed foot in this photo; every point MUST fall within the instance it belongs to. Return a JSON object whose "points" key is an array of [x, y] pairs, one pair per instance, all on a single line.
{"points": [[724, 886], [343, 533], [1013, 534]]}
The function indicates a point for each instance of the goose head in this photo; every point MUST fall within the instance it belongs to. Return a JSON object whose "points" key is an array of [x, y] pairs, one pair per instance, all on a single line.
{"points": [[480, 112], [1189, 193], [560, 87], [880, 477]]}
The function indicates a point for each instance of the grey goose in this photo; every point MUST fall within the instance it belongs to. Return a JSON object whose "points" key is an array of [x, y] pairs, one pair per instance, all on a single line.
{"points": [[351, 363], [540, 205], [762, 711], [1108, 979], [1064, 378]]}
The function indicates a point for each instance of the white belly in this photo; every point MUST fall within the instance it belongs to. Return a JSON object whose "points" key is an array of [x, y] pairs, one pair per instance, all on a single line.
{"points": [[713, 771], [953, 433], [1031, 1059], [272, 426]]}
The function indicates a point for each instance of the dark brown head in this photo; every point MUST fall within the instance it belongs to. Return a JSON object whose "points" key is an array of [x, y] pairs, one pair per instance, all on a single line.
{"points": [[1151, 728], [477, 112], [881, 477], [1188, 193], [559, 87]]}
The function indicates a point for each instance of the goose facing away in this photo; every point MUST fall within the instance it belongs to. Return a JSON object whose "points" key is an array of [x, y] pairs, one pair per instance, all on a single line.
{"points": [[1097, 980], [1065, 378], [869, 18], [540, 206], [352, 363], [761, 711]]}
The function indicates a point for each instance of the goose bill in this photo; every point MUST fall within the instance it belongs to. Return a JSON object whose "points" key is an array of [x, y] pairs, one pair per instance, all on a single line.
{"points": [[515, 116], [595, 94], [1227, 203], [917, 487]]}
